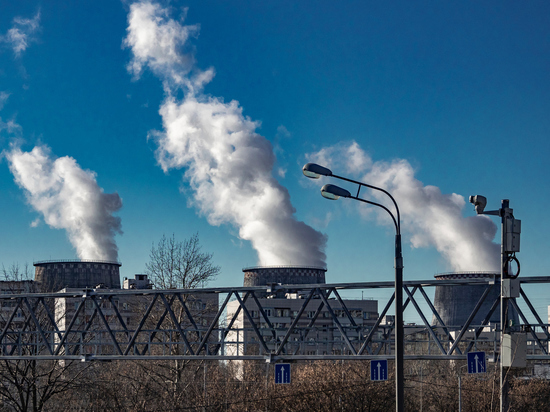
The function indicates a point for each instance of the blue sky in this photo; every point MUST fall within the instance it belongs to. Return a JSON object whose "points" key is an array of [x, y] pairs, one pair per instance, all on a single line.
{"points": [[457, 93]]}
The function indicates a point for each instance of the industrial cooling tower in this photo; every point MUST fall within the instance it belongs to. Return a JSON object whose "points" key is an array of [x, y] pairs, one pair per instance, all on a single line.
{"points": [[455, 302], [54, 275], [285, 275]]}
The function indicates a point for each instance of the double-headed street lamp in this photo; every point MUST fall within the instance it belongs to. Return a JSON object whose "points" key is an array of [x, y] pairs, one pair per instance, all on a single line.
{"points": [[333, 192]]}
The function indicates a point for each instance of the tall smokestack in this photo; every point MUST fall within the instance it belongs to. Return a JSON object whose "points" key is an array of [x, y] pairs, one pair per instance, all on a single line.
{"points": [[69, 198], [228, 165]]}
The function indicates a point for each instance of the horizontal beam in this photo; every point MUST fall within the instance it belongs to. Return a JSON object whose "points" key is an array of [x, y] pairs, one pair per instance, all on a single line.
{"points": [[272, 288], [269, 359]]}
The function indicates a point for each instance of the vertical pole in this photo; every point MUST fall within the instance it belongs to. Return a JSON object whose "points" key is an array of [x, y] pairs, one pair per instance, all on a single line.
{"points": [[266, 386], [504, 398], [459, 392], [204, 386], [399, 331], [421, 388]]}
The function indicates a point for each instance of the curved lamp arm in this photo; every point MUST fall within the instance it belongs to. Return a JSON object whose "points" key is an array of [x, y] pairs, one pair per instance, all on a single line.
{"points": [[333, 192], [396, 221], [315, 171]]}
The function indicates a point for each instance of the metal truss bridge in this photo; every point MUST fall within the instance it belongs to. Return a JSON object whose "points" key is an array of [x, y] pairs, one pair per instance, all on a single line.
{"points": [[253, 323]]}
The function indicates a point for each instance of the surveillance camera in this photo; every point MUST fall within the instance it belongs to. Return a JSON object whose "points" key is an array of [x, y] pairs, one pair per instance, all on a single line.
{"points": [[479, 202]]}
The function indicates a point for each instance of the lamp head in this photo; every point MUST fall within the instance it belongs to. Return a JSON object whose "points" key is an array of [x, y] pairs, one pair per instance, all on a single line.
{"points": [[315, 171], [479, 203], [333, 192]]}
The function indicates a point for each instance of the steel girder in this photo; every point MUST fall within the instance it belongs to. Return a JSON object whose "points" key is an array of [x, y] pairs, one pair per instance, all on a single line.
{"points": [[238, 323]]}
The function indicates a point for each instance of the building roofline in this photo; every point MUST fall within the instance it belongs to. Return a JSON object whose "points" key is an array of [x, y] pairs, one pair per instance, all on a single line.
{"points": [[466, 275], [47, 262], [255, 268]]}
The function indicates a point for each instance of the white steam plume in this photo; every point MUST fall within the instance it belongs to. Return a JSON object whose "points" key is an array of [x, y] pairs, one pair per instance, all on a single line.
{"points": [[69, 198], [21, 33], [228, 165], [3, 99], [430, 217]]}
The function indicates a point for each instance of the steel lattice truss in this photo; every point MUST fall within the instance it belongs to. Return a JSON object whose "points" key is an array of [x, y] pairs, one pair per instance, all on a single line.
{"points": [[235, 323]]}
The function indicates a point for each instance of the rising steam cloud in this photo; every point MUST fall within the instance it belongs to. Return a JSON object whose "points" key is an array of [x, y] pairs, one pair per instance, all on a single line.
{"points": [[431, 218], [228, 165], [20, 35], [69, 198]]}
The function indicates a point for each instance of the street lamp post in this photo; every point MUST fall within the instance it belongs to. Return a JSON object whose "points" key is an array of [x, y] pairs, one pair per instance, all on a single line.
{"points": [[333, 192], [510, 234]]}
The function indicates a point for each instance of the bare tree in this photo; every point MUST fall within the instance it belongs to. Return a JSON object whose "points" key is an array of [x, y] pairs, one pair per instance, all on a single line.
{"points": [[15, 273], [180, 265]]}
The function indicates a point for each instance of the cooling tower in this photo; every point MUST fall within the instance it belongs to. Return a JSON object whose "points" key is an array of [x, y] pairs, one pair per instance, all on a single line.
{"points": [[285, 275], [455, 303], [59, 274]]}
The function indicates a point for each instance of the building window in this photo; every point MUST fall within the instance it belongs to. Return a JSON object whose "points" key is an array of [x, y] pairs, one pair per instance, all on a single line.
{"points": [[283, 313], [340, 313]]}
